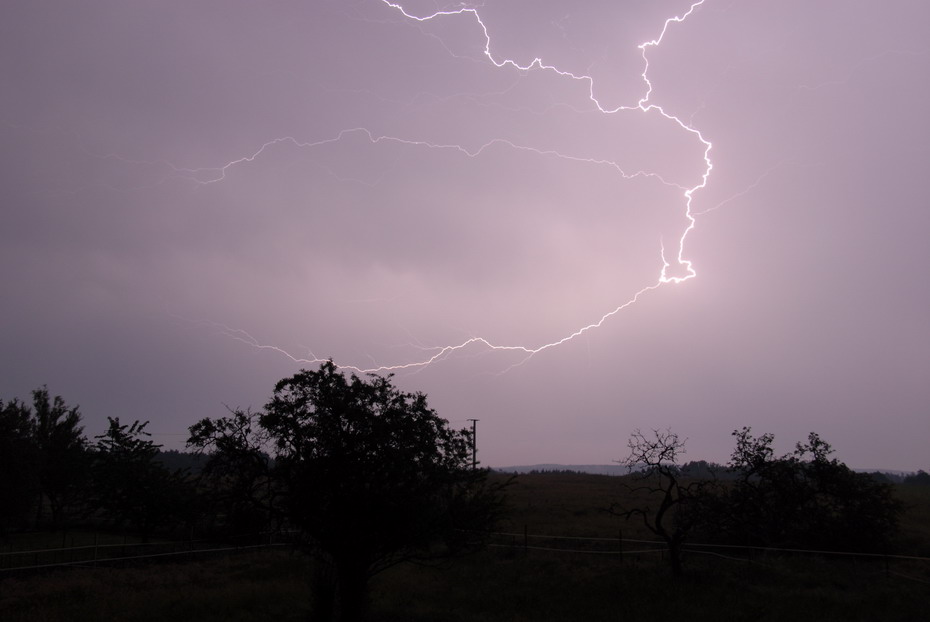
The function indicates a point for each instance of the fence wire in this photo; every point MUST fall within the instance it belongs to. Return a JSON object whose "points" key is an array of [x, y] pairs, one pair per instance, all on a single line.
{"points": [[100, 554]]}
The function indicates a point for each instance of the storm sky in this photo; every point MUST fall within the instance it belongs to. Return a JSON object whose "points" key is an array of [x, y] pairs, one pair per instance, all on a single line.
{"points": [[200, 198]]}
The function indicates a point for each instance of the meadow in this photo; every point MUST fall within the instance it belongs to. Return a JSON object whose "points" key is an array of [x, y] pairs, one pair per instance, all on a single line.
{"points": [[516, 580]]}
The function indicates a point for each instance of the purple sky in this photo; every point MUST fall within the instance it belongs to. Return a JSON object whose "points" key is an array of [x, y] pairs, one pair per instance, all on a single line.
{"points": [[181, 182]]}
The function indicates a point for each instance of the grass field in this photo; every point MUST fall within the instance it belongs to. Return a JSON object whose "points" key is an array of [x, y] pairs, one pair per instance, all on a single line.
{"points": [[510, 584]]}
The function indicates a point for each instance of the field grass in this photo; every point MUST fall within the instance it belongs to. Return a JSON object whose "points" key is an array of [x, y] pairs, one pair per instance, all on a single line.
{"points": [[493, 586], [252, 586], [914, 534], [571, 504], [510, 584], [556, 587]]}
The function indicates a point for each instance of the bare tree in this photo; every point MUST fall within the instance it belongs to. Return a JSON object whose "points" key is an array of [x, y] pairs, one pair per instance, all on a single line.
{"points": [[673, 507]]}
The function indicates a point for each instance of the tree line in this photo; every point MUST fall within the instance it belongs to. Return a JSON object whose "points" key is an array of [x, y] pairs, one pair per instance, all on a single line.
{"points": [[53, 476], [804, 499], [366, 476], [362, 475]]}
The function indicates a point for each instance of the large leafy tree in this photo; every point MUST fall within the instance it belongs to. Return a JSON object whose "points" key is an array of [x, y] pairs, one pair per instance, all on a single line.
{"points": [[369, 475]]}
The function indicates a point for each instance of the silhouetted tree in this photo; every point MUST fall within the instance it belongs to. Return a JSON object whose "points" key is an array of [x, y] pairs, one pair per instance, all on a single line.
{"points": [[369, 475], [19, 465], [804, 499], [885, 478], [63, 454], [173, 460], [920, 478], [675, 505], [702, 469], [238, 474], [132, 487]]}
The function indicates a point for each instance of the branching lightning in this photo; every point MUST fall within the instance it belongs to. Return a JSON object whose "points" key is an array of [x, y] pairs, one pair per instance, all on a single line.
{"points": [[211, 175], [214, 175]]}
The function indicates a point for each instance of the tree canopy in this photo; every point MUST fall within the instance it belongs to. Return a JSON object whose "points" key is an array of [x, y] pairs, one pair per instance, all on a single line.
{"points": [[44, 458], [369, 475], [19, 464], [804, 499], [130, 485]]}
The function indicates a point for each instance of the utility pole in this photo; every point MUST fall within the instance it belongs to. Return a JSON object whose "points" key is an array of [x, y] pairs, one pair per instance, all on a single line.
{"points": [[474, 443]]}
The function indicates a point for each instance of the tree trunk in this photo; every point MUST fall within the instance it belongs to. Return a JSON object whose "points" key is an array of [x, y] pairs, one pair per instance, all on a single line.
{"points": [[323, 585], [351, 593]]}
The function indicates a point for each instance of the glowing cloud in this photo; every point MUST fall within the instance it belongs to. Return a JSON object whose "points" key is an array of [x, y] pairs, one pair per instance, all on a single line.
{"points": [[668, 274]]}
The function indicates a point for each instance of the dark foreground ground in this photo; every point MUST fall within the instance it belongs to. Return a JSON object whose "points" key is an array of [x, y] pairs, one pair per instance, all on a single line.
{"points": [[489, 586], [510, 584]]}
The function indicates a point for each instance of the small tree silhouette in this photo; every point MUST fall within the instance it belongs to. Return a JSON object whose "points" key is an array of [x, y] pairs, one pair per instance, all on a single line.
{"points": [[64, 464], [131, 485], [19, 465]]}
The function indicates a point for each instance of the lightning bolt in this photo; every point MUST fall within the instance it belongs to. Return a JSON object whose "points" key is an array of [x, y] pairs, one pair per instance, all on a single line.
{"points": [[207, 176]]}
